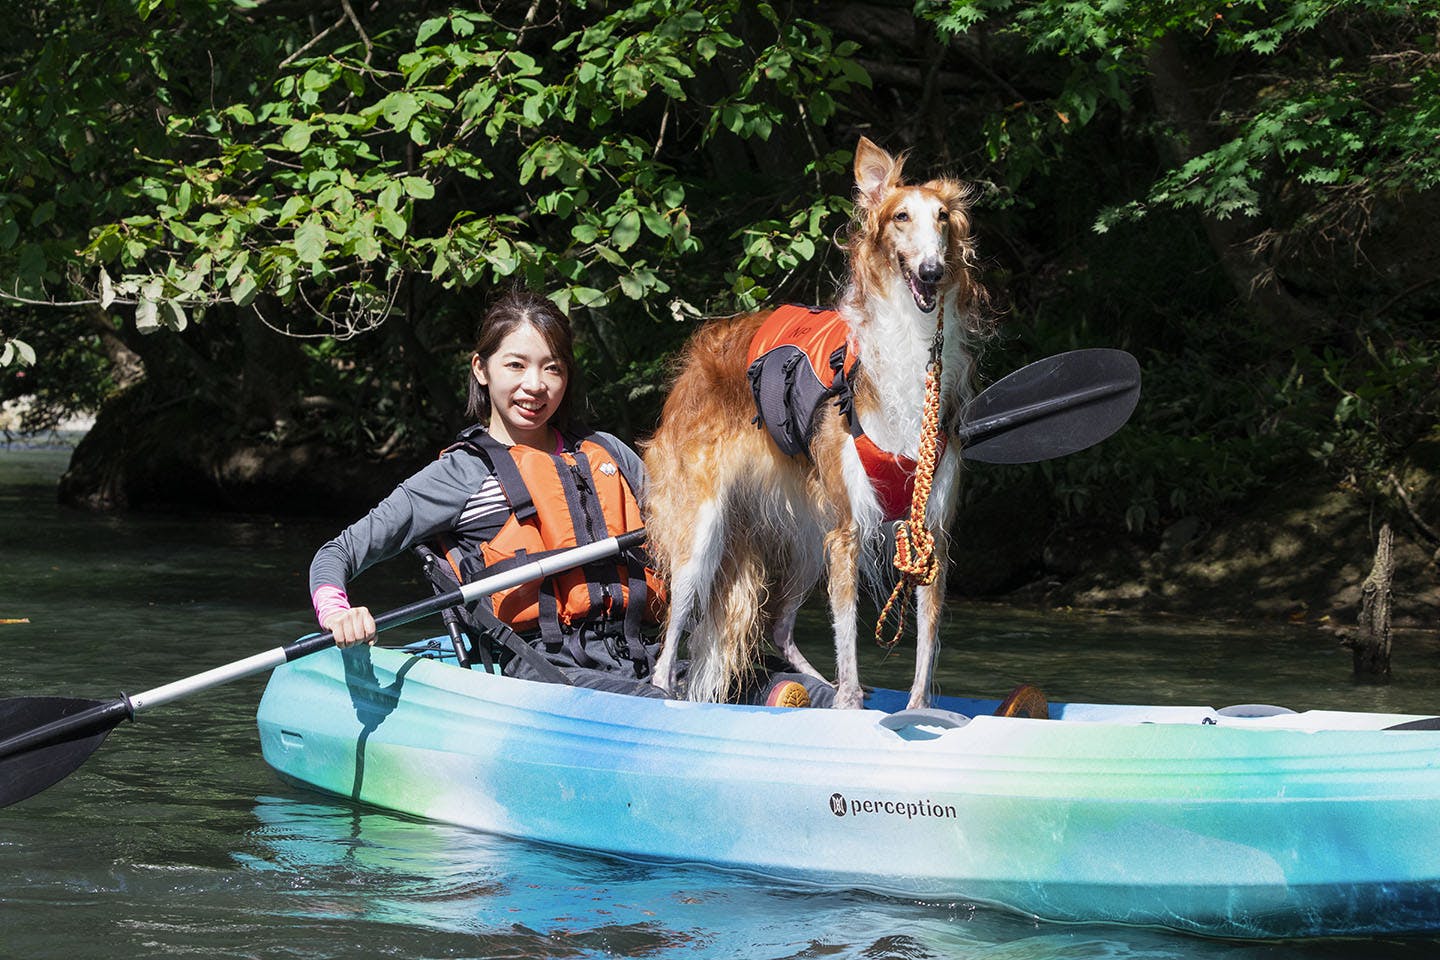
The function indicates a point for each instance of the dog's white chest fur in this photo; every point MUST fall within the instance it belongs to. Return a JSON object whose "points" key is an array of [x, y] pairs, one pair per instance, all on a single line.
{"points": [[894, 345]]}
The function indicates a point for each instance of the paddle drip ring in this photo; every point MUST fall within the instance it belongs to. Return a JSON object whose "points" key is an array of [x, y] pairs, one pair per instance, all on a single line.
{"points": [[915, 555]]}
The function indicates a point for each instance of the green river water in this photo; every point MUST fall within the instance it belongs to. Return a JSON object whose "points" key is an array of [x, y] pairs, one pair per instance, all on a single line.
{"points": [[175, 839]]}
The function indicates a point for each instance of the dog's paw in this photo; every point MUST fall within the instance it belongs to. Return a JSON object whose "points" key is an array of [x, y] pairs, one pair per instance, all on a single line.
{"points": [[918, 701], [849, 697]]}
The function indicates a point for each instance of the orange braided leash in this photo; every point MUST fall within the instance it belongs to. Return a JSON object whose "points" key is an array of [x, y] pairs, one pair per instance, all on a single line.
{"points": [[915, 555]]}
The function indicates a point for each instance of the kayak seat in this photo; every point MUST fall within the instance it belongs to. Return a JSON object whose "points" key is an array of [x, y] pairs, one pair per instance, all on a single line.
{"points": [[478, 636], [1026, 700], [471, 644]]}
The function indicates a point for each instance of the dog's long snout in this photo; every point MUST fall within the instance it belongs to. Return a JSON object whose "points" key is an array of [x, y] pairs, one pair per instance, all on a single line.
{"points": [[930, 270]]}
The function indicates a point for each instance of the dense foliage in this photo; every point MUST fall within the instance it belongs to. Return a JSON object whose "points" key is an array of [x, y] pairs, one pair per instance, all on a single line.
{"points": [[308, 203], [385, 167]]}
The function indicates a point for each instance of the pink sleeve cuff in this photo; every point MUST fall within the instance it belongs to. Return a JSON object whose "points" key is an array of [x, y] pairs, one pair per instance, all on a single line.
{"points": [[329, 600]]}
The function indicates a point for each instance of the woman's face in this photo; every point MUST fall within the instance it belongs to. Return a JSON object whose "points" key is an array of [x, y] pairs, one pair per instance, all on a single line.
{"points": [[526, 383]]}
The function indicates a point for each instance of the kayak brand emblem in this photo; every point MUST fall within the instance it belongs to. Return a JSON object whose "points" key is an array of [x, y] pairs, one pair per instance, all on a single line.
{"points": [[909, 809]]}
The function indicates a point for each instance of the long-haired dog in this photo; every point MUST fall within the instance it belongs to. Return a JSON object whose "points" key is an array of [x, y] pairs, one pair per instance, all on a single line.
{"points": [[743, 530]]}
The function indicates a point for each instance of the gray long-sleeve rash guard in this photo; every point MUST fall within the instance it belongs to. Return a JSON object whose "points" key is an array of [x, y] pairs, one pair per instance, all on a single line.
{"points": [[429, 502]]}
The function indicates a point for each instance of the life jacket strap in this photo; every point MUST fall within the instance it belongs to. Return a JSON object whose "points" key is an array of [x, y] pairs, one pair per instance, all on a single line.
{"points": [[479, 624]]}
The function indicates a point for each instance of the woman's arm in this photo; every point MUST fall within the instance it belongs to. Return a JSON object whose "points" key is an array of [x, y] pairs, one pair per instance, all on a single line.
{"points": [[424, 505]]}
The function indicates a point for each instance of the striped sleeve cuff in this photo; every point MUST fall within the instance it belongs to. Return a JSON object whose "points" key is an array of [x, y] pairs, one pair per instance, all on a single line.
{"points": [[329, 600]]}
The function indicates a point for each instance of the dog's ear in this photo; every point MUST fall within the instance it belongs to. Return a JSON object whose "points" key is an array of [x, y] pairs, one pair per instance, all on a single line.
{"points": [[875, 171]]}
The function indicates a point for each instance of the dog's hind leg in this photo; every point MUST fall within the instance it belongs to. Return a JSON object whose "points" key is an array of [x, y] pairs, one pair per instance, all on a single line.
{"points": [[842, 550], [783, 637], [800, 571], [691, 585], [725, 641]]}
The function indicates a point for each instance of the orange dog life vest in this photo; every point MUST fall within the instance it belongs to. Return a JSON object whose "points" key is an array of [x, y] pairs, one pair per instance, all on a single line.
{"points": [[800, 358]]}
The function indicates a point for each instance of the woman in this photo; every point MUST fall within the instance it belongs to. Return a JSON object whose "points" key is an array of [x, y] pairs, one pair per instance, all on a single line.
{"points": [[523, 480]]}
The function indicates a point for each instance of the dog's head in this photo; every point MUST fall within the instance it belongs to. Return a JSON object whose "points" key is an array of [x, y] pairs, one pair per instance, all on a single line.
{"points": [[920, 232]]}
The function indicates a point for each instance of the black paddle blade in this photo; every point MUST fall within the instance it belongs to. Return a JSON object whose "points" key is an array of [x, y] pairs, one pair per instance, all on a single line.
{"points": [[44, 739], [1052, 407]]}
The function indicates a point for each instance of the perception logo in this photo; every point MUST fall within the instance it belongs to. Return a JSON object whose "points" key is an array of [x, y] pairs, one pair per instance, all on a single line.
{"points": [[909, 809]]}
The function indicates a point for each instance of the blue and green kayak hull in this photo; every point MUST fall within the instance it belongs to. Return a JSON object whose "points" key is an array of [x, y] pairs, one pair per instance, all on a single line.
{"points": [[1308, 824]]}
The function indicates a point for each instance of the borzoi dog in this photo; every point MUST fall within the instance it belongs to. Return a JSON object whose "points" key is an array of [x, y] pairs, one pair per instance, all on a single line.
{"points": [[744, 523]]}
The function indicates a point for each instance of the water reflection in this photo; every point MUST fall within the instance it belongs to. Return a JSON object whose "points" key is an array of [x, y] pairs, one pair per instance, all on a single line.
{"points": [[481, 895]]}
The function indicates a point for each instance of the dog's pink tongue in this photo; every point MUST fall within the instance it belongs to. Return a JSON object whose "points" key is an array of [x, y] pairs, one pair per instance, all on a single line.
{"points": [[924, 293]]}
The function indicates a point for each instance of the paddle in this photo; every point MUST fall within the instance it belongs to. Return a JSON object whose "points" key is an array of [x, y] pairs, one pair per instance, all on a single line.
{"points": [[45, 739], [1051, 407]]}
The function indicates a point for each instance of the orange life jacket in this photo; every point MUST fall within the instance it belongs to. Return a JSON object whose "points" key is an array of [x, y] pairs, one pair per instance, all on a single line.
{"points": [[800, 358], [559, 501]]}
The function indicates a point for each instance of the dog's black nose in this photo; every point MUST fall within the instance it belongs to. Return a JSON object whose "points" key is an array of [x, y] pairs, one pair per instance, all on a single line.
{"points": [[930, 271]]}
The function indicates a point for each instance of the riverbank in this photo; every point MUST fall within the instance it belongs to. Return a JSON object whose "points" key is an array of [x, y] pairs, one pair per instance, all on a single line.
{"points": [[1298, 554]]}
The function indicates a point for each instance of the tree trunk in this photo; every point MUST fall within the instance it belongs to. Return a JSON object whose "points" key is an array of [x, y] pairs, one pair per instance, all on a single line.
{"points": [[1371, 647]]}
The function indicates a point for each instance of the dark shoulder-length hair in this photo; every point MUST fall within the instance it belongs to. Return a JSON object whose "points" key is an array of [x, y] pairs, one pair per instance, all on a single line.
{"points": [[504, 316]]}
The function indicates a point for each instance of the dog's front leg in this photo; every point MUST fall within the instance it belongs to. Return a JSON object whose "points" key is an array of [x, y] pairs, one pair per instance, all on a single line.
{"points": [[842, 549], [929, 602]]}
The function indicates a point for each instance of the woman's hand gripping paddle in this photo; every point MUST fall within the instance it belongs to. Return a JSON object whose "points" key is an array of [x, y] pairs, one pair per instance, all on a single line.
{"points": [[1051, 407], [45, 739]]}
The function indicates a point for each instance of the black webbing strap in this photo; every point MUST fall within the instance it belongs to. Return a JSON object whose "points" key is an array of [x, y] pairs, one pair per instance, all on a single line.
{"points": [[634, 563], [480, 615], [507, 471], [581, 499], [516, 644]]}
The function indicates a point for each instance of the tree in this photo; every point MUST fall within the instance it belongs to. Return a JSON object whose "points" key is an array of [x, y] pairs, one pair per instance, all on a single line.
{"points": [[1203, 183], [392, 166], [1281, 124]]}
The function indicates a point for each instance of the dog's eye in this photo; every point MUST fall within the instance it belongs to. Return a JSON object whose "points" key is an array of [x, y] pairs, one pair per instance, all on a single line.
{"points": [[902, 216], [944, 214]]}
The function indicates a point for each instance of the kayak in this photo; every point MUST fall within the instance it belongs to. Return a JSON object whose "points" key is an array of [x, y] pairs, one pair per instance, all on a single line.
{"points": [[1245, 821]]}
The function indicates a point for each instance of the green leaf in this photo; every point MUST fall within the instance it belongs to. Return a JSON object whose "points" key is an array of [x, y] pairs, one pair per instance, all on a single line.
{"points": [[419, 188], [655, 221], [389, 198], [291, 210], [147, 314], [243, 290], [398, 109], [18, 350], [310, 241], [391, 222], [626, 232], [588, 296], [173, 315], [428, 29], [297, 137]]}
